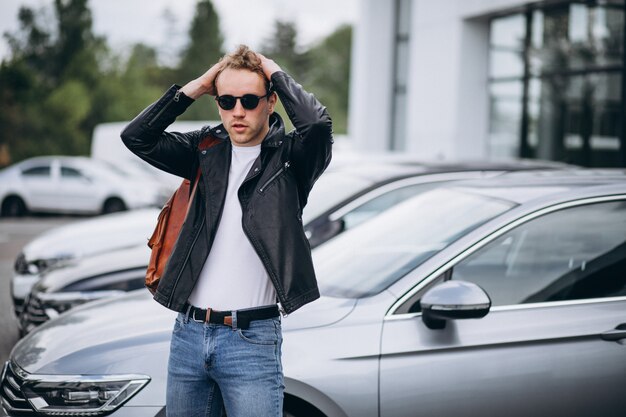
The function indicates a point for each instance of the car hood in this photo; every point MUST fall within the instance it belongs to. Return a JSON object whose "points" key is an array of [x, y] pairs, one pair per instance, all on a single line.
{"points": [[97, 337], [93, 236]]}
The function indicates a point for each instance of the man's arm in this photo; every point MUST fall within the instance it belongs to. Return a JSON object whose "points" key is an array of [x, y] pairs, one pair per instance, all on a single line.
{"points": [[313, 134], [172, 152]]}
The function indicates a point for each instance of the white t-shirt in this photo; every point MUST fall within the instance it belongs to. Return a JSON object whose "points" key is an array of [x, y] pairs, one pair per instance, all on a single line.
{"points": [[233, 276]]}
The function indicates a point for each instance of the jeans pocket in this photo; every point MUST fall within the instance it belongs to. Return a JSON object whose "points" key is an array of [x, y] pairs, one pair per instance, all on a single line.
{"points": [[179, 322], [261, 332]]}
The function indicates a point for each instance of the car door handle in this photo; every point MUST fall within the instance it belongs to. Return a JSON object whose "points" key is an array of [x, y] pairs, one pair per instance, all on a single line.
{"points": [[616, 334]]}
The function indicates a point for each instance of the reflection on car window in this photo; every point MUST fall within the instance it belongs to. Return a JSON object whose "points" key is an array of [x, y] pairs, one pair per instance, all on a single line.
{"points": [[329, 190], [374, 255], [41, 171], [381, 203], [67, 172], [569, 254]]}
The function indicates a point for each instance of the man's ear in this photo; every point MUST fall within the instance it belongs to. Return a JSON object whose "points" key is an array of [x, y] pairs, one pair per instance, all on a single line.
{"points": [[272, 101]]}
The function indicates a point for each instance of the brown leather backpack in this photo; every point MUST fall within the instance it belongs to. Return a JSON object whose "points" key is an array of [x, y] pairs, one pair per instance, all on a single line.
{"points": [[169, 223]]}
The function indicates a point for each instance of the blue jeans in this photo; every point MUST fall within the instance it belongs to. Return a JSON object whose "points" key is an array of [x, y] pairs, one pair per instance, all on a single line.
{"points": [[212, 367]]}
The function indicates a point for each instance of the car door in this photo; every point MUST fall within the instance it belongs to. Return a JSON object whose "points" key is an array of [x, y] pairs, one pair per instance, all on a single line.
{"points": [[554, 342], [40, 186], [78, 190]]}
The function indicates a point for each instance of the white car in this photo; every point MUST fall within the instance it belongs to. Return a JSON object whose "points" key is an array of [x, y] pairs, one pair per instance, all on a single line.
{"points": [[65, 184]]}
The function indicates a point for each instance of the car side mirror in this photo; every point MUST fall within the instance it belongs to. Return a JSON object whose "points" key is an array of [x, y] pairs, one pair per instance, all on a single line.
{"points": [[452, 300], [320, 233]]}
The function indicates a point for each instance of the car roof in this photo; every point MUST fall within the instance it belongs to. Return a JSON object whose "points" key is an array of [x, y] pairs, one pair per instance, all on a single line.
{"points": [[522, 187], [384, 167]]}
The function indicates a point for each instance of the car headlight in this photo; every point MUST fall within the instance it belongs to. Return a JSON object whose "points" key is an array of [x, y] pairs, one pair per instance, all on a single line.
{"points": [[59, 395]]}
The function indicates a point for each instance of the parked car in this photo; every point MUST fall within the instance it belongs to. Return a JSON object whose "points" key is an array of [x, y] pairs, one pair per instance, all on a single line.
{"points": [[353, 192], [343, 198], [69, 243], [108, 274], [64, 184], [503, 296]]}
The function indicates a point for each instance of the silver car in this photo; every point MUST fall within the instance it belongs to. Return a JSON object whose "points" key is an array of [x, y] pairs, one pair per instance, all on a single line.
{"points": [[504, 296], [110, 274], [351, 192], [68, 244]]}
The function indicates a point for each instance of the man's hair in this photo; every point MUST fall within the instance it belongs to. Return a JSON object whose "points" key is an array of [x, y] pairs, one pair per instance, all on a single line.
{"points": [[243, 58]]}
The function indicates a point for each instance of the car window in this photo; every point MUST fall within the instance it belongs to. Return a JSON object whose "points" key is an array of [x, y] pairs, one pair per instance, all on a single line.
{"points": [[67, 172], [329, 190], [373, 256], [40, 171], [382, 202], [570, 254]]}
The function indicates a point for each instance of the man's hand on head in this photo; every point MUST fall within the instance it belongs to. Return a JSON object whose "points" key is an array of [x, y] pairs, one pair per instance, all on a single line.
{"points": [[204, 84], [269, 66]]}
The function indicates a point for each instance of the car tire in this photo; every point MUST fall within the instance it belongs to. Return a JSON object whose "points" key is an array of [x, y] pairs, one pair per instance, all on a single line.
{"points": [[295, 407], [303, 413], [13, 206], [113, 205]]}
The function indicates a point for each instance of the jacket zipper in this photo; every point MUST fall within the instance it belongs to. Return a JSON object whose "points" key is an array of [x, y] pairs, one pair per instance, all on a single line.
{"points": [[253, 241], [169, 301], [273, 177], [176, 98]]}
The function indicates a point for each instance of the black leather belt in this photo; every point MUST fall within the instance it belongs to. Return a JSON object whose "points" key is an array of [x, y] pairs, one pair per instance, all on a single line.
{"points": [[244, 317]]}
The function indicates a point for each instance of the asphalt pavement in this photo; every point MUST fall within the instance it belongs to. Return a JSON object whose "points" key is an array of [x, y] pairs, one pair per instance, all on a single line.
{"points": [[14, 234]]}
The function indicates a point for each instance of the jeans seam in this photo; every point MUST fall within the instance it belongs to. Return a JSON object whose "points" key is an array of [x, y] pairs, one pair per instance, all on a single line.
{"points": [[207, 411]]}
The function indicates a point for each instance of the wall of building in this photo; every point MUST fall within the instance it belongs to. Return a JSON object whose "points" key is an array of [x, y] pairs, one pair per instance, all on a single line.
{"points": [[447, 95]]}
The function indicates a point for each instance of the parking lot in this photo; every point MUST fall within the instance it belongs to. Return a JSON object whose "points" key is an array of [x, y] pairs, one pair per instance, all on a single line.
{"points": [[14, 234]]}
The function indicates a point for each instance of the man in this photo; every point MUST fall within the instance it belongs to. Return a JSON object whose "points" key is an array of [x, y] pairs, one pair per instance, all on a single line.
{"points": [[242, 247]]}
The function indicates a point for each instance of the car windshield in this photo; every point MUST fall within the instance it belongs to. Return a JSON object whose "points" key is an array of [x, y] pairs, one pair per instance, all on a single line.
{"points": [[330, 189], [371, 257]]}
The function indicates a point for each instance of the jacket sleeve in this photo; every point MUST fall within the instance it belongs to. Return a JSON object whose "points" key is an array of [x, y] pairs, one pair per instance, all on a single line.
{"points": [[146, 137], [313, 134]]}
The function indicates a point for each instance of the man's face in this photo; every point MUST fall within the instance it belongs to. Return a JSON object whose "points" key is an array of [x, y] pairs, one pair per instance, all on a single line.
{"points": [[245, 127]]}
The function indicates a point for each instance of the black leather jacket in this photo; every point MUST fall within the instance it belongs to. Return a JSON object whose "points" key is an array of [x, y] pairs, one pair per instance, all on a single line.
{"points": [[272, 195]]}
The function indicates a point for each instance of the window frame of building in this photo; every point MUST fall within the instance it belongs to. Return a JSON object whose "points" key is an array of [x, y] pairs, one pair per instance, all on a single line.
{"points": [[590, 142]]}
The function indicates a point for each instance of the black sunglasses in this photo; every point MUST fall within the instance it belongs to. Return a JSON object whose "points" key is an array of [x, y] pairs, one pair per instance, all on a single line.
{"points": [[248, 101]]}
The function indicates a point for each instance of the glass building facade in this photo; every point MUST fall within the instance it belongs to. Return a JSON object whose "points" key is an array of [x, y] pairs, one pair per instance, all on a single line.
{"points": [[556, 83]]}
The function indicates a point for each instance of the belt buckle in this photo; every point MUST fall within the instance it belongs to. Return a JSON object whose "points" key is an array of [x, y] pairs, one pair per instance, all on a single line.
{"points": [[206, 318]]}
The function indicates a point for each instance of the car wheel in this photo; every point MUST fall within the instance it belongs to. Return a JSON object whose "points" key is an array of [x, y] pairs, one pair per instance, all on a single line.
{"points": [[303, 413], [113, 205], [13, 206], [295, 407]]}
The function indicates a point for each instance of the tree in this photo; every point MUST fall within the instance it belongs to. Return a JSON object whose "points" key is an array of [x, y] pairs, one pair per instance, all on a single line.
{"points": [[323, 69], [328, 75], [203, 50], [282, 47], [46, 83]]}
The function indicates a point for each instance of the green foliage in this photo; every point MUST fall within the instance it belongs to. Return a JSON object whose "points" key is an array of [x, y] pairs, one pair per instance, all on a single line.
{"points": [[47, 83], [323, 69], [203, 50], [328, 75], [61, 80]]}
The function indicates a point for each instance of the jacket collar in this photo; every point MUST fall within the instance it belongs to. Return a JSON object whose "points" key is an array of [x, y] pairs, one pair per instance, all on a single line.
{"points": [[273, 139]]}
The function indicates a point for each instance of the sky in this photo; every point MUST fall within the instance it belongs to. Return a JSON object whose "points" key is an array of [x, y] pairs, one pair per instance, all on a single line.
{"points": [[125, 22]]}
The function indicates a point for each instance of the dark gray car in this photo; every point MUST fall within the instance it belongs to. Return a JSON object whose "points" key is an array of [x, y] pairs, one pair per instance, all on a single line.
{"points": [[504, 296]]}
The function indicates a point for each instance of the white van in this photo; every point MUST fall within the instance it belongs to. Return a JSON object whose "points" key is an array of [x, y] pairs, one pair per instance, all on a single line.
{"points": [[106, 144]]}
